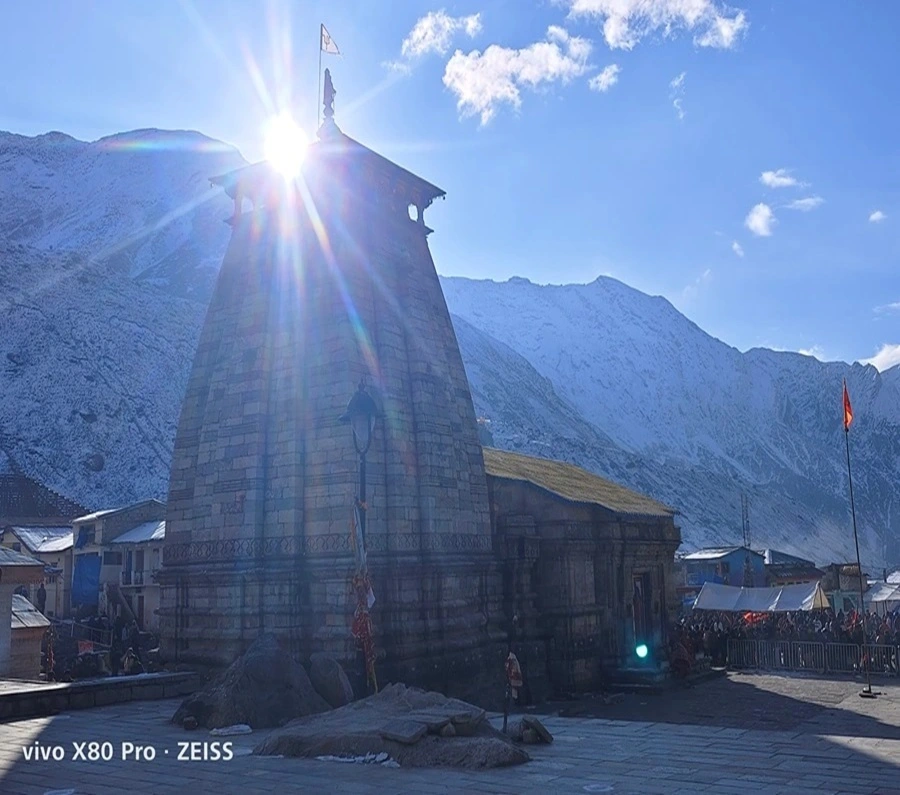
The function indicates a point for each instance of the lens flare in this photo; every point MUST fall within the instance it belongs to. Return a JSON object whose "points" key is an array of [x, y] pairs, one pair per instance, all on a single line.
{"points": [[285, 145], [642, 650]]}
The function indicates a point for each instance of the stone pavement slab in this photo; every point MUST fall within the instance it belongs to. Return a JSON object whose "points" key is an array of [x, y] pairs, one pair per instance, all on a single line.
{"points": [[588, 755]]}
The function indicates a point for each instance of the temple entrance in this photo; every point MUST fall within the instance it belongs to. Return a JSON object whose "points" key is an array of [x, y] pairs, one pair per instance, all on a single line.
{"points": [[640, 603]]}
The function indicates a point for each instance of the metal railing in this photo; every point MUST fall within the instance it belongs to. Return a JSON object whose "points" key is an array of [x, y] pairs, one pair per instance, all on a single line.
{"points": [[812, 656], [73, 629], [132, 578]]}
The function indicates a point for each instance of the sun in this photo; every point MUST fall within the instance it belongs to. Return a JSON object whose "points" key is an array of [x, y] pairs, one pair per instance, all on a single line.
{"points": [[285, 145]]}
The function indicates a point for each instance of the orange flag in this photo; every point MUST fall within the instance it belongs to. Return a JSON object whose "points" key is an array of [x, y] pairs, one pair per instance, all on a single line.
{"points": [[848, 409]]}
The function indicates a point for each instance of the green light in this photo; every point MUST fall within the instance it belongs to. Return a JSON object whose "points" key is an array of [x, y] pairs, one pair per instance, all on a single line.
{"points": [[641, 650]]}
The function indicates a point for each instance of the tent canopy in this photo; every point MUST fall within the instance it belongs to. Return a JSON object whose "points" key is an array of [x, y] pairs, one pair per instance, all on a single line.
{"points": [[783, 599], [883, 592]]}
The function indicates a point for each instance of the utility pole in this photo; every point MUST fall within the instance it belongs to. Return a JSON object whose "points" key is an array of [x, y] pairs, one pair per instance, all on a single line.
{"points": [[745, 532]]}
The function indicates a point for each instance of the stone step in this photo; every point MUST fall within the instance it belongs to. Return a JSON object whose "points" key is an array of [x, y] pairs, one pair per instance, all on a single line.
{"points": [[22, 699]]}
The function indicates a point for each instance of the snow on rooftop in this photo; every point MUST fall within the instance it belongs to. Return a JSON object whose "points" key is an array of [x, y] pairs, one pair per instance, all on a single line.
{"points": [[148, 531], [92, 517], [713, 553], [25, 614], [45, 539], [9, 557]]}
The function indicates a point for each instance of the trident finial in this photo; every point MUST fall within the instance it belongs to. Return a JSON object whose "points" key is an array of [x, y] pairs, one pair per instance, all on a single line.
{"points": [[328, 97]]}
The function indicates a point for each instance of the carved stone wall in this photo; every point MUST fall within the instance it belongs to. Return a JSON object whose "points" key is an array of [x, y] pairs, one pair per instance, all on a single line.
{"points": [[264, 475], [568, 571]]}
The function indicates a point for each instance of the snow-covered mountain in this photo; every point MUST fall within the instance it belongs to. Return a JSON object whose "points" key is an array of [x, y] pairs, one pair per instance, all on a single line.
{"points": [[703, 421], [140, 201], [107, 255]]}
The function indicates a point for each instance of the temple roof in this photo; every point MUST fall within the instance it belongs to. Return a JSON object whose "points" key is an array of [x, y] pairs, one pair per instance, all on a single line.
{"points": [[338, 154], [571, 483]]}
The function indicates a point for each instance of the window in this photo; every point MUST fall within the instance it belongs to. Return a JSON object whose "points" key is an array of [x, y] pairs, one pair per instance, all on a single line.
{"points": [[112, 558], [86, 535]]}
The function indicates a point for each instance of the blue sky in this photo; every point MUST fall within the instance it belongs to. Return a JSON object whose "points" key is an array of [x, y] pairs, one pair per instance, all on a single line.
{"points": [[760, 192]]}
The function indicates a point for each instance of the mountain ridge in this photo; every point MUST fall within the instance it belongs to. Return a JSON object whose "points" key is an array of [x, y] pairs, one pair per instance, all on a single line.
{"points": [[108, 258]]}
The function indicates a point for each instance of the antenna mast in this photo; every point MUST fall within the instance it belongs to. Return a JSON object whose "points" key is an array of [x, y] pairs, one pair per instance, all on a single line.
{"points": [[745, 530], [745, 519]]}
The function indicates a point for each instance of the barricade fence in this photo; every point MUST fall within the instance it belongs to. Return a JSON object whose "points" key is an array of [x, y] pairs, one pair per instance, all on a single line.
{"points": [[813, 656]]}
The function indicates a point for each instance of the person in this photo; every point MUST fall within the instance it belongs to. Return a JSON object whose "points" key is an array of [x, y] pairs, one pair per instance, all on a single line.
{"points": [[41, 598], [134, 639], [131, 664]]}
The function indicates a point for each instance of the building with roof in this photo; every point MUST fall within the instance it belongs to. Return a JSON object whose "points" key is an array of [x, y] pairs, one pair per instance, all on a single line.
{"points": [[53, 547], [17, 570], [28, 627], [736, 565], [587, 569], [36, 520], [26, 502], [843, 584], [116, 553], [775, 557]]}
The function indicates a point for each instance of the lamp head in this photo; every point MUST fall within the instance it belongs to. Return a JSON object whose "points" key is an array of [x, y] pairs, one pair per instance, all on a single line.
{"points": [[361, 414]]}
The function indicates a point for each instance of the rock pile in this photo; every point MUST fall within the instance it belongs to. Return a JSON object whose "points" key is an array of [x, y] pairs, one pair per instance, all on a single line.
{"points": [[414, 727], [263, 688]]}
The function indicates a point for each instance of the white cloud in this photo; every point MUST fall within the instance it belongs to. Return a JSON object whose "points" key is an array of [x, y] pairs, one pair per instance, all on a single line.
{"points": [[677, 95], [604, 81], [626, 22], [888, 308], [877, 217], [760, 220], [692, 291], [434, 32], [737, 248], [887, 357], [815, 351], [780, 178], [807, 204], [482, 81]]}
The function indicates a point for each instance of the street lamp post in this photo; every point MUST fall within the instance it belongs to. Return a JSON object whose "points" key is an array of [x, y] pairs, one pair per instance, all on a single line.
{"points": [[361, 414]]}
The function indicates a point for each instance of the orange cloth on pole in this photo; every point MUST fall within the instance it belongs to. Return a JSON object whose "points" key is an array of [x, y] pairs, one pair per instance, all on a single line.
{"points": [[848, 409]]}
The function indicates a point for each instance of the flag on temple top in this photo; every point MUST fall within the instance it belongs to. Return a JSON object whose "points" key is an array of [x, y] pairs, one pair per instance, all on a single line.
{"points": [[848, 409], [326, 43]]}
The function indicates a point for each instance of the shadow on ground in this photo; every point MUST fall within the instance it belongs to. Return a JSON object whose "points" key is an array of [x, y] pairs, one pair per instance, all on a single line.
{"points": [[811, 705]]}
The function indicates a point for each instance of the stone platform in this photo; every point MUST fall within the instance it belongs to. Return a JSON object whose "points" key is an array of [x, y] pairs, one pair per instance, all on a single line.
{"points": [[765, 735], [25, 699]]}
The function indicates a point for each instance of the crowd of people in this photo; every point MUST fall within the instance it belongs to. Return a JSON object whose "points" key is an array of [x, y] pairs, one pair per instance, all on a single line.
{"points": [[708, 632]]}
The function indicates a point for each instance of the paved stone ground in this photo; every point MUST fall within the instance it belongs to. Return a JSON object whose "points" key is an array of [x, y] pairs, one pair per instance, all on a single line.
{"points": [[739, 734]]}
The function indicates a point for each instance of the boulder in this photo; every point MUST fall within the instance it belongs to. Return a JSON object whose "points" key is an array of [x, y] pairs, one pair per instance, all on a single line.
{"points": [[399, 722], [329, 680], [263, 688]]}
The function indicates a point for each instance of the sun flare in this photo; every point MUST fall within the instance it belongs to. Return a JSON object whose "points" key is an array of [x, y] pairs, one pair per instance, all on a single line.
{"points": [[285, 145]]}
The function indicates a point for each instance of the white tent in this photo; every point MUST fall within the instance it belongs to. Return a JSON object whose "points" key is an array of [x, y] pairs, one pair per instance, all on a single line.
{"points": [[761, 600], [883, 597]]}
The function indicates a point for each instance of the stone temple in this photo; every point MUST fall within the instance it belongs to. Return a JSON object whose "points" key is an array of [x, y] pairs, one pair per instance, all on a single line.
{"points": [[327, 283]]}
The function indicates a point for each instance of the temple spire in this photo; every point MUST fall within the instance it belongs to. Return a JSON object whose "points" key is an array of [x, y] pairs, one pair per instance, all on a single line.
{"points": [[328, 97]]}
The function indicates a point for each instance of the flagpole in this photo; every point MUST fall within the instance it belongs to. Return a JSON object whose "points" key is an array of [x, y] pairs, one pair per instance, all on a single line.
{"points": [[867, 690], [319, 90]]}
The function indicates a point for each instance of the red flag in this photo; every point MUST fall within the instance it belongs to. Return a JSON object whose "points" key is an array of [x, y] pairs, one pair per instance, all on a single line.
{"points": [[848, 410]]}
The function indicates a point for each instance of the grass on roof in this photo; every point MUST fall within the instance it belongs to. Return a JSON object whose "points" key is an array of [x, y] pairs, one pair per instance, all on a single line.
{"points": [[571, 482]]}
